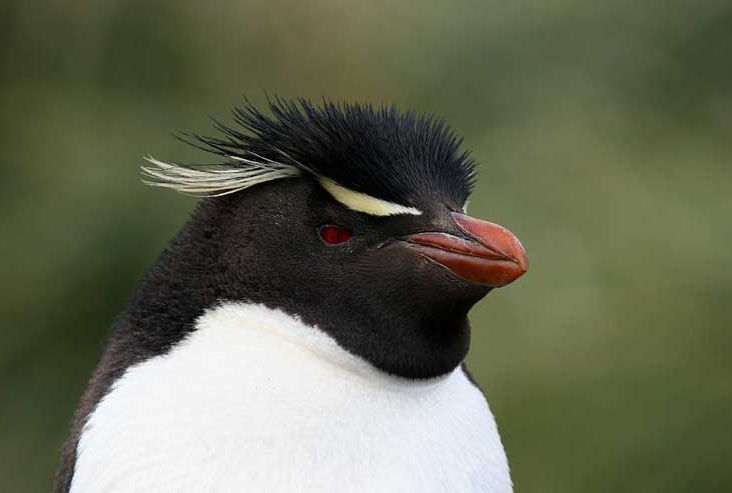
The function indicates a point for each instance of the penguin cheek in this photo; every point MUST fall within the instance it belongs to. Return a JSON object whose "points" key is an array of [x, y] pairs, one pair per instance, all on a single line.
{"points": [[396, 269]]}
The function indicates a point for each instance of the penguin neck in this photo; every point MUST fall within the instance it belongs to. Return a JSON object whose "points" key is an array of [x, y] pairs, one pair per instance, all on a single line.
{"points": [[173, 294], [251, 324]]}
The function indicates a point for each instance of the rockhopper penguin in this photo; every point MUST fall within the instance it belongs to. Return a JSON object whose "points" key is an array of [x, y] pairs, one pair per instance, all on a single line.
{"points": [[306, 330]]}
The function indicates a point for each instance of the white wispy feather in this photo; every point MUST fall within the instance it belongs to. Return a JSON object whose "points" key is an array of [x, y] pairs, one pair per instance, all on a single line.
{"points": [[215, 180]]}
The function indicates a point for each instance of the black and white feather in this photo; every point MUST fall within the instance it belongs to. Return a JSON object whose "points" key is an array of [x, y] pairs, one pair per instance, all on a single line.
{"points": [[378, 151]]}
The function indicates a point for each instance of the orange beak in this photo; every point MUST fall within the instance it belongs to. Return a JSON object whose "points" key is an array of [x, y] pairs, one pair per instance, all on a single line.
{"points": [[493, 256]]}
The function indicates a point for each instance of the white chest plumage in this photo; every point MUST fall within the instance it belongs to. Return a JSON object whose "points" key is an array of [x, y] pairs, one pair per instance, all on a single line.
{"points": [[256, 401]]}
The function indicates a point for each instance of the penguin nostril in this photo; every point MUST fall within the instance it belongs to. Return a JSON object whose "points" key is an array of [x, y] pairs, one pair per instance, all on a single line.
{"points": [[333, 235]]}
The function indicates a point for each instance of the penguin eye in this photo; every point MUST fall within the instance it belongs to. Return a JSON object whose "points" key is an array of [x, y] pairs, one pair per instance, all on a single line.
{"points": [[334, 235]]}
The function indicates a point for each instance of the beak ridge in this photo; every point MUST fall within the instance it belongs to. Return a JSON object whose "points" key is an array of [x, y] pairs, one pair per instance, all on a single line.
{"points": [[495, 257]]}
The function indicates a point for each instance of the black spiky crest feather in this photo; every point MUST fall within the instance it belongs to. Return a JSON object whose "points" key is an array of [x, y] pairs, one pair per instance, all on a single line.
{"points": [[379, 151]]}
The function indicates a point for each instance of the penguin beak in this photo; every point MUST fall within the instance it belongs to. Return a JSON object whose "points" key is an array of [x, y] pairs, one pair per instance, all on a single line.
{"points": [[493, 256]]}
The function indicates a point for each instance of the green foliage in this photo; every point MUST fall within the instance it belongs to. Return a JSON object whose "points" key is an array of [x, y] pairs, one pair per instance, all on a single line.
{"points": [[603, 136]]}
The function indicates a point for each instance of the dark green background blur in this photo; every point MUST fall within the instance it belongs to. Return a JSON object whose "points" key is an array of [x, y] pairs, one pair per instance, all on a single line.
{"points": [[604, 136]]}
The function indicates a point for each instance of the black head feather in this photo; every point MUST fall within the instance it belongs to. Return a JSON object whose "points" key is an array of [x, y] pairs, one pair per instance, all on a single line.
{"points": [[379, 151]]}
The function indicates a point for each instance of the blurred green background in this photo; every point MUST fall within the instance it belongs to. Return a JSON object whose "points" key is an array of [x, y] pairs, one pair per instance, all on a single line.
{"points": [[604, 136]]}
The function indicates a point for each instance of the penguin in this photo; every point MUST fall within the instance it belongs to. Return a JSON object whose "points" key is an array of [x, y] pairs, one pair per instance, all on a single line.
{"points": [[306, 329]]}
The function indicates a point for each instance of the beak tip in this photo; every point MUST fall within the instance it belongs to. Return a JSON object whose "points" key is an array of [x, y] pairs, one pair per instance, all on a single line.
{"points": [[498, 239], [523, 259]]}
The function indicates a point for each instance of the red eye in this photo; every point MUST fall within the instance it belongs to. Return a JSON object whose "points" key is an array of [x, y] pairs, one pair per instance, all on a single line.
{"points": [[333, 235]]}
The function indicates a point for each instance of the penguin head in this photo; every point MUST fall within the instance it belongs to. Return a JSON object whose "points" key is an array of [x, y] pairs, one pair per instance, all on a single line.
{"points": [[353, 219]]}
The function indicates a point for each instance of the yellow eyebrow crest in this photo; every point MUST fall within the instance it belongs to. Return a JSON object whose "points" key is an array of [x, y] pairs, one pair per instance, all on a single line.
{"points": [[361, 202]]}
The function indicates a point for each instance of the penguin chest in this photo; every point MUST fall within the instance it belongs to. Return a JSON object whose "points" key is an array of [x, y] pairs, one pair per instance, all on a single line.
{"points": [[254, 400]]}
